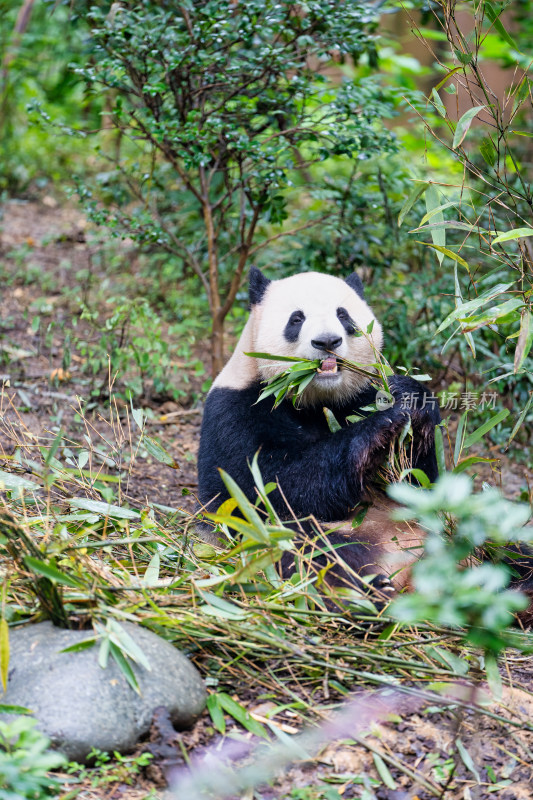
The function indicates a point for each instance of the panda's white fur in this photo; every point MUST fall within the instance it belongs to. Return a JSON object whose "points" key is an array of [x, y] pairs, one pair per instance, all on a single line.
{"points": [[318, 296]]}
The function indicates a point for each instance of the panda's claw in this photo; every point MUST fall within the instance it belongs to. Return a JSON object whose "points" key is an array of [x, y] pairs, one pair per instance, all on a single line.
{"points": [[382, 583]]}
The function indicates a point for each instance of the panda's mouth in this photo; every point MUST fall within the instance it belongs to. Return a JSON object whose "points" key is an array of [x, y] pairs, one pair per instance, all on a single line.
{"points": [[329, 366]]}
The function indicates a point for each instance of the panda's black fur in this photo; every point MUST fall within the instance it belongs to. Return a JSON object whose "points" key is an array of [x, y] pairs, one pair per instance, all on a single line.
{"points": [[321, 474]]}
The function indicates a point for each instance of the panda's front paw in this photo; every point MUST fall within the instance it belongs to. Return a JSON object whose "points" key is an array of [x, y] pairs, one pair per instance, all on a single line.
{"points": [[416, 400], [380, 591], [394, 418], [382, 583]]}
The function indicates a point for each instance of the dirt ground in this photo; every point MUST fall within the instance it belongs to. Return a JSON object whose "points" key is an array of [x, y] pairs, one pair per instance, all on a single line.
{"points": [[56, 242]]}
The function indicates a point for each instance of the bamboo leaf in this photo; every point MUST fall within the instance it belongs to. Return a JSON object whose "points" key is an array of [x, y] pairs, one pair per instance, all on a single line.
{"points": [[464, 58], [521, 92], [469, 462], [216, 713], [525, 339], [383, 771], [270, 357], [447, 252], [51, 572], [124, 666], [464, 309], [305, 382], [468, 336], [151, 575], [121, 639], [418, 474], [238, 524], [159, 453], [458, 665], [466, 758], [245, 506], [103, 651], [448, 75], [257, 563], [434, 211], [262, 489], [84, 645], [333, 425], [520, 419], [459, 437], [494, 17], [104, 509], [52, 450], [238, 712], [359, 517], [10, 481], [291, 381], [439, 449], [464, 124], [488, 151], [485, 428], [4, 652], [138, 416], [5, 708], [492, 315], [226, 508], [449, 223], [416, 192], [437, 234], [218, 607], [439, 105], [516, 233]]}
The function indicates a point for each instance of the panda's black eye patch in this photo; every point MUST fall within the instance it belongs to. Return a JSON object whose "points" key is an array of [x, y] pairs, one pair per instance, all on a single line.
{"points": [[347, 322], [292, 328], [296, 318]]}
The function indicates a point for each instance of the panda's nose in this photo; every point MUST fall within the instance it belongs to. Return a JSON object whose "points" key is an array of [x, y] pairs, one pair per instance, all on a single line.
{"points": [[328, 341]]}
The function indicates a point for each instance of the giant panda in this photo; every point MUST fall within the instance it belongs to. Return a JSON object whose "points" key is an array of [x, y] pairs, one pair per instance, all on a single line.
{"points": [[321, 475]]}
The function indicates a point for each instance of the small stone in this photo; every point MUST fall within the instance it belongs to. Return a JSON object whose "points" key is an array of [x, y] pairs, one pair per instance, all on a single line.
{"points": [[80, 705], [168, 407]]}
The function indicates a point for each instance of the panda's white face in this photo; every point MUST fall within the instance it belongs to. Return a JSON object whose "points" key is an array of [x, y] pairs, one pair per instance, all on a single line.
{"points": [[309, 315], [312, 315]]}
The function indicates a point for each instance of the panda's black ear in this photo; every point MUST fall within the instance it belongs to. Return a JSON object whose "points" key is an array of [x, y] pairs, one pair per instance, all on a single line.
{"points": [[355, 283], [258, 285]]}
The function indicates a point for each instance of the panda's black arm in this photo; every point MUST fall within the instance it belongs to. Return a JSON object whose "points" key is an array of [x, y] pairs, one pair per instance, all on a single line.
{"points": [[423, 408], [320, 472], [329, 477]]}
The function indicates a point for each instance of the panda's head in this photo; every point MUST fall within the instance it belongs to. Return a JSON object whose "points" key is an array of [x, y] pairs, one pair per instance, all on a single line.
{"points": [[316, 316]]}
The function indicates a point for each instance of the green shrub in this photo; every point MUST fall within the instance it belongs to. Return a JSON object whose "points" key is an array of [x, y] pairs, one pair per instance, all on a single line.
{"points": [[461, 524], [25, 761], [29, 34]]}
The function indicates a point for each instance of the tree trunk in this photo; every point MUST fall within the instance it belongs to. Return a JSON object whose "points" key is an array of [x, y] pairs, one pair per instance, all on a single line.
{"points": [[217, 326], [219, 310], [217, 344]]}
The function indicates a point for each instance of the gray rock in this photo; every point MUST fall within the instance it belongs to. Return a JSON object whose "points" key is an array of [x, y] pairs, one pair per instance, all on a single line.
{"points": [[80, 705]]}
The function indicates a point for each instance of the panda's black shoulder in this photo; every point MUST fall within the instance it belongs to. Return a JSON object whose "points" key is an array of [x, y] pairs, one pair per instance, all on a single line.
{"points": [[225, 400]]}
